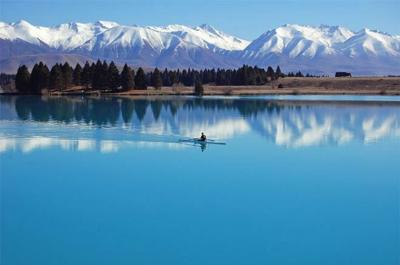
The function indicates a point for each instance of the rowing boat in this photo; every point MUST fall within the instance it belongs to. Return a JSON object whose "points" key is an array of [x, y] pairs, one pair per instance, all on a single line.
{"points": [[199, 141]]}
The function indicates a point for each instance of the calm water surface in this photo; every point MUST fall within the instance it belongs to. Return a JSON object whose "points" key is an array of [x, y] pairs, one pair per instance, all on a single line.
{"points": [[301, 180]]}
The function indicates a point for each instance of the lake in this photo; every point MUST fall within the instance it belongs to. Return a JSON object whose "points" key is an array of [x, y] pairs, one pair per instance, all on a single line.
{"points": [[300, 180]]}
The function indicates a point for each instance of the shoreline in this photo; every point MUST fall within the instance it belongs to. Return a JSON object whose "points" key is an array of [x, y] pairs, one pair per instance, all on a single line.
{"points": [[378, 86]]}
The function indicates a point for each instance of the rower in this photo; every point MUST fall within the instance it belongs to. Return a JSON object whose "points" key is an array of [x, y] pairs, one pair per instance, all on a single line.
{"points": [[203, 137]]}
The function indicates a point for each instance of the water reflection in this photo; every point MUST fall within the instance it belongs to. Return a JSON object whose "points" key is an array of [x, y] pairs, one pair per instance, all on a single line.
{"points": [[107, 124], [27, 145]]}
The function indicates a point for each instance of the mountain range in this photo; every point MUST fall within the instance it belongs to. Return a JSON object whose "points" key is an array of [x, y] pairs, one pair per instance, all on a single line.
{"points": [[316, 50]]}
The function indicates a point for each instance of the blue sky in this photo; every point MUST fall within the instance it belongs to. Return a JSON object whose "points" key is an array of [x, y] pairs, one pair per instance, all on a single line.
{"points": [[244, 18]]}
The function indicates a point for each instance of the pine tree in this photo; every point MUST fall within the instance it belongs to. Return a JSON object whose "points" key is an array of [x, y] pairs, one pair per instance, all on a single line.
{"points": [[165, 78], [22, 79], [183, 77], [56, 78], [242, 76], [198, 88], [173, 77], [140, 79], [190, 78], [114, 81], [127, 77], [278, 72], [86, 76], [251, 73], [299, 74], [104, 77], [270, 73], [34, 80], [156, 80], [100, 77], [67, 75], [39, 78], [97, 75], [77, 75]]}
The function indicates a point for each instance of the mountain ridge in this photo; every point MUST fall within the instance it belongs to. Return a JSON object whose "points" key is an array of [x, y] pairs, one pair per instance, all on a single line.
{"points": [[319, 50]]}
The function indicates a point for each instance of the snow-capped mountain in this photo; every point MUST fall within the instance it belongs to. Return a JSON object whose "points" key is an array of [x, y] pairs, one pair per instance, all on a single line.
{"points": [[369, 42], [169, 46], [73, 35], [295, 40], [323, 49], [64, 37], [326, 49]]}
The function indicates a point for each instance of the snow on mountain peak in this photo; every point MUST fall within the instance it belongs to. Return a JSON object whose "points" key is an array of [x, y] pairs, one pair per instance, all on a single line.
{"points": [[368, 42], [204, 36], [20, 30], [296, 40], [107, 24], [22, 23], [209, 28], [293, 40]]}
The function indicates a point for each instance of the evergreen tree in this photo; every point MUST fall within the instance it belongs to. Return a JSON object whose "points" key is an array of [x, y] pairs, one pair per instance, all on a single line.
{"points": [[103, 76], [278, 72], [56, 78], [92, 70], [299, 74], [166, 78], [156, 80], [104, 83], [114, 81], [212, 76], [127, 76], [242, 76], [140, 79], [270, 73], [22, 79], [39, 78], [96, 75], [77, 75], [198, 88], [34, 80], [100, 75], [184, 77], [173, 77], [86, 76], [67, 72], [190, 78], [251, 75]]}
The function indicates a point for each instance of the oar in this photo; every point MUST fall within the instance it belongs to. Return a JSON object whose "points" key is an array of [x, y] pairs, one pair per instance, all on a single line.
{"points": [[198, 139]]}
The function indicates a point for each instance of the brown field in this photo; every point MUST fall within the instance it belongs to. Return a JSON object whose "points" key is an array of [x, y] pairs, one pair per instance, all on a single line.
{"points": [[294, 86]]}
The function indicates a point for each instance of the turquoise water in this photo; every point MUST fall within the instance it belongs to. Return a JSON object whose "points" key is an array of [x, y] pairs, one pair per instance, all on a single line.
{"points": [[301, 180]]}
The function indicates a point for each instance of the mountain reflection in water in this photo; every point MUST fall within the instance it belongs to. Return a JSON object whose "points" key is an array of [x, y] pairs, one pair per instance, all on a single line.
{"points": [[107, 124]]}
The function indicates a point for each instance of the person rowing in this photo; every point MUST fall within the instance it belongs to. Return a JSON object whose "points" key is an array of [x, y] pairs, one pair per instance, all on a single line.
{"points": [[203, 137], [202, 140]]}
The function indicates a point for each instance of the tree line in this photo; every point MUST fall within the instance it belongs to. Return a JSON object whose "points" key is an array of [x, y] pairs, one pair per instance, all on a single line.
{"points": [[107, 77]]}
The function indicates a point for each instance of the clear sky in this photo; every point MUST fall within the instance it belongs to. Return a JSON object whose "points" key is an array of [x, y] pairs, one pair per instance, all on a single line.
{"points": [[244, 18]]}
